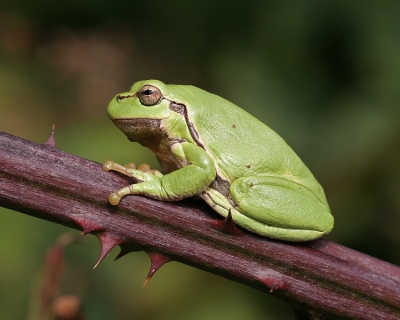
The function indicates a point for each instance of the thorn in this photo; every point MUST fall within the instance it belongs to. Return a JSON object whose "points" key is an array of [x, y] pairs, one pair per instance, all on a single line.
{"points": [[230, 226], [274, 284], [108, 242], [88, 226], [157, 261], [51, 141]]}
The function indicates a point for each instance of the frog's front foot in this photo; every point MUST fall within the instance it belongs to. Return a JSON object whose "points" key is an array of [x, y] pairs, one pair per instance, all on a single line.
{"points": [[110, 165], [141, 174], [127, 169], [114, 198]]}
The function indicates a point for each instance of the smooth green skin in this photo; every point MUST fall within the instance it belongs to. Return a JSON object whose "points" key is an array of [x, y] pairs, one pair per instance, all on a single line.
{"points": [[211, 148]]}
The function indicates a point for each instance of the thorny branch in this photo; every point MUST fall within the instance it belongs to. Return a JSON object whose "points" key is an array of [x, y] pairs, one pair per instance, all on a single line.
{"points": [[319, 277]]}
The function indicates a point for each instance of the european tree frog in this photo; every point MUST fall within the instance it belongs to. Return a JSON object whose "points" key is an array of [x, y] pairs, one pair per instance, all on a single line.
{"points": [[209, 147]]}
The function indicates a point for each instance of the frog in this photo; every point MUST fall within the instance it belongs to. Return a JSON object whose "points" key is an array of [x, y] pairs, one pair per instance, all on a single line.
{"points": [[212, 149]]}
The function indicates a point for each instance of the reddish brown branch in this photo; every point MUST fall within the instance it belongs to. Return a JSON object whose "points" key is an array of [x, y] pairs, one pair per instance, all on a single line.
{"points": [[320, 276]]}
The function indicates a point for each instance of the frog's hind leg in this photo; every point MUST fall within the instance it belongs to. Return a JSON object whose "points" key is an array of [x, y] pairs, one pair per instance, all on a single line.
{"points": [[278, 208], [217, 201]]}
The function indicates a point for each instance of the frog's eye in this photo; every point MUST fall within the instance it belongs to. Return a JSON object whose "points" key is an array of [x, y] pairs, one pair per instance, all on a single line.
{"points": [[149, 95]]}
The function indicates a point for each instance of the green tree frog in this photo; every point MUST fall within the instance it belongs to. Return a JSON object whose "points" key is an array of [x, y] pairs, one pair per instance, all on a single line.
{"points": [[209, 147]]}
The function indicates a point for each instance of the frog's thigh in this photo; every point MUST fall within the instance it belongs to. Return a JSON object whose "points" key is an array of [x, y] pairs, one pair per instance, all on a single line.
{"points": [[279, 209]]}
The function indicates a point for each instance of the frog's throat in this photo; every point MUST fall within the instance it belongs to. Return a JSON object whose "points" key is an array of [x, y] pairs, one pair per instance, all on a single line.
{"points": [[147, 132]]}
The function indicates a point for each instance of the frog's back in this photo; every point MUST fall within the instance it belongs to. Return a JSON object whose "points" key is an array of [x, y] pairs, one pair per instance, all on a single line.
{"points": [[240, 144]]}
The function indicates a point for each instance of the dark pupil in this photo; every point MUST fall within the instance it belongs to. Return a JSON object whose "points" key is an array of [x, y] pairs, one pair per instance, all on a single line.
{"points": [[148, 92]]}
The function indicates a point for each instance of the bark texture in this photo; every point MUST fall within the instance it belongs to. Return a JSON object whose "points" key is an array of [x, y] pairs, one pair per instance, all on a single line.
{"points": [[320, 277]]}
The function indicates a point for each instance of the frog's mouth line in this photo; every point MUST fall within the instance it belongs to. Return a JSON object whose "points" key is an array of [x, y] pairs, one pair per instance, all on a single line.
{"points": [[137, 123]]}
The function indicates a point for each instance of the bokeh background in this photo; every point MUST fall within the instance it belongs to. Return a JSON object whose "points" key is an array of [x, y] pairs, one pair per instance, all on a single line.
{"points": [[324, 74]]}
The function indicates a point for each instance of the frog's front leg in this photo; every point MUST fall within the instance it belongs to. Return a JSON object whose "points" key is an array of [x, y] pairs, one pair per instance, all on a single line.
{"points": [[185, 182]]}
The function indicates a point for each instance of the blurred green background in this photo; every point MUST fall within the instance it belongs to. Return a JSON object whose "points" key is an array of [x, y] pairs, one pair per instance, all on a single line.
{"points": [[324, 74]]}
